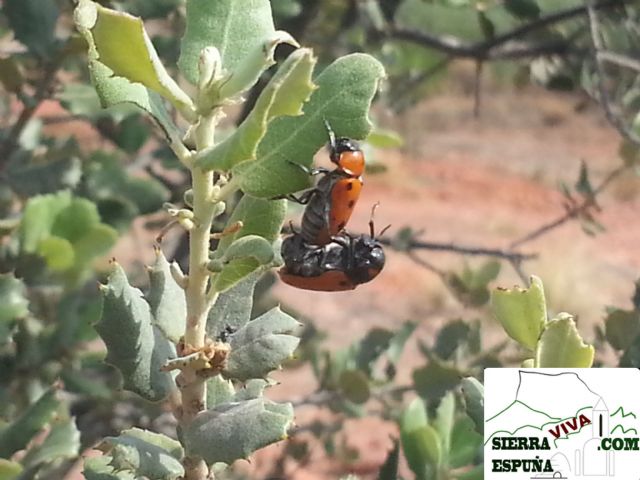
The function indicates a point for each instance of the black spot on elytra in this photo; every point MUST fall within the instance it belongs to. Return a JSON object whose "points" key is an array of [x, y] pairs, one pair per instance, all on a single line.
{"points": [[343, 283], [351, 203], [350, 186]]}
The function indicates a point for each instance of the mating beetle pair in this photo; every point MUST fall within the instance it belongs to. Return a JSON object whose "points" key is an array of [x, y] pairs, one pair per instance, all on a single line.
{"points": [[323, 256]]}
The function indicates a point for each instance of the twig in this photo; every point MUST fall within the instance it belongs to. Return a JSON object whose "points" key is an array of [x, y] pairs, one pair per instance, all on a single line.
{"points": [[465, 249], [571, 213], [497, 48], [605, 99]]}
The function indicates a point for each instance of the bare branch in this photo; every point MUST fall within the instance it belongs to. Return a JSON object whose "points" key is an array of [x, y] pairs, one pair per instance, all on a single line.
{"points": [[509, 255], [571, 213], [499, 47]]}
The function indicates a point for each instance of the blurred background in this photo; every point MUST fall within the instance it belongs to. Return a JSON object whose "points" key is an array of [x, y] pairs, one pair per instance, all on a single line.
{"points": [[506, 143]]}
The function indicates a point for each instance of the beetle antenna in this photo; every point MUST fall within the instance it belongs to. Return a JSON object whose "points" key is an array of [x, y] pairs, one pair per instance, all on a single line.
{"points": [[332, 136], [371, 223]]}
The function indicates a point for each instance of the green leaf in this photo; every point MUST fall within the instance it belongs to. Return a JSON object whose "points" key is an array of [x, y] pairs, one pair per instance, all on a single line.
{"points": [[39, 216], [233, 307], [262, 345], [99, 468], [285, 94], [444, 422], [13, 302], [622, 327], [259, 217], [62, 442], [166, 299], [435, 380], [65, 230], [114, 90], [134, 345], [17, 435], [522, 312], [344, 94], [421, 448], [414, 415], [561, 346], [9, 470], [219, 391], [234, 27], [240, 259], [473, 393], [466, 442], [235, 430], [57, 252], [146, 454], [111, 33], [34, 23], [354, 385]]}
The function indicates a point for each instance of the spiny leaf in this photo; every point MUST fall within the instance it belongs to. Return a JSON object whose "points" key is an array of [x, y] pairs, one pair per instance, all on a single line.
{"points": [[344, 94], [233, 307], [522, 312], [112, 33], [262, 345], [166, 299], [99, 468], [285, 94], [145, 454], [561, 346], [134, 345], [17, 435], [235, 430], [114, 90]]}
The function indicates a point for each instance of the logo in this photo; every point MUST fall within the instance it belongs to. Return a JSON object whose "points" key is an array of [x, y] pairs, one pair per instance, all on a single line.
{"points": [[562, 424]]}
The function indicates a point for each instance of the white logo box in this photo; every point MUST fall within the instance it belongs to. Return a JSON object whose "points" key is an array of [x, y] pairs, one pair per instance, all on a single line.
{"points": [[562, 423]]}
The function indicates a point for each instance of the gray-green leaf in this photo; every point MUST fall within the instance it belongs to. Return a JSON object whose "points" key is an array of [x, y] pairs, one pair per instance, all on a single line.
{"points": [[145, 454], [234, 27], [262, 345], [166, 299], [235, 430], [134, 345]]}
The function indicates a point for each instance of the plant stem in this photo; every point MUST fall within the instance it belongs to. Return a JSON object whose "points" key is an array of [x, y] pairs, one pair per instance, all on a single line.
{"points": [[194, 389]]}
